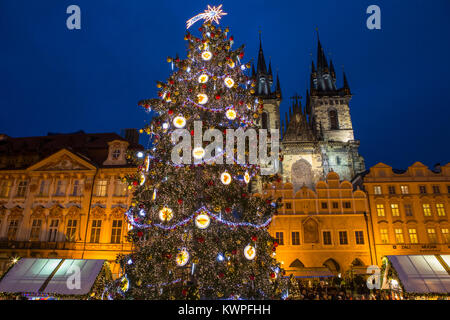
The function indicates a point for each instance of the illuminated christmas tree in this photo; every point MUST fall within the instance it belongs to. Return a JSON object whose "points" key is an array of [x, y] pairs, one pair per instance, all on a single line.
{"points": [[198, 230]]}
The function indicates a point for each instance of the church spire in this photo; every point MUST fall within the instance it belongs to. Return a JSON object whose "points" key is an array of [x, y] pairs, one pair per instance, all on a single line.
{"points": [[346, 86], [261, 66], [278, 90]]}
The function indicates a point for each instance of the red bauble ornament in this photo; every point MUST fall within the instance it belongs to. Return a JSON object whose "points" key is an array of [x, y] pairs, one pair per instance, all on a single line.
{"points": [[170, 112], [252, 277], [201, 240], [227, 210], [275, 244], [180, 201], [272, 275], [217, 97], [140, 234], [241, 55], [171, 81], [231, 38], [221, 275], [244, 195], [212, 35], [234, 251], [204, 86], [184, 292], [135, 183], [254, 238], [192, 132]]}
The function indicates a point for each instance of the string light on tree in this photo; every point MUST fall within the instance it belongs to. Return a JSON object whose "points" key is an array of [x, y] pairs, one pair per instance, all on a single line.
{"points": [[206, 55], [229, 82], [179, 122], [198, 153], [250, 252], [203, 78]]}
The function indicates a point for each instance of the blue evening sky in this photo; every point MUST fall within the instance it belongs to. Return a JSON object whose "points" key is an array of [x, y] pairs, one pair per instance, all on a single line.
{"points": [[57, 80]]}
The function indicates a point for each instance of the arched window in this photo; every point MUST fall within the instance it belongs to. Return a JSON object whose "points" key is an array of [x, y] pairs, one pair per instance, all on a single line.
{"points": [[264, 121], [334, 122]]}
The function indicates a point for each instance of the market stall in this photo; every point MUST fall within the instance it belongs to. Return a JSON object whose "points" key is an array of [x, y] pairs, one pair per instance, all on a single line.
{"points": [[55, 278]]}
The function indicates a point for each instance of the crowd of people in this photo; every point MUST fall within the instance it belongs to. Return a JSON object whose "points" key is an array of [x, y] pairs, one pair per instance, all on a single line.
{"points": [[337, 289]]}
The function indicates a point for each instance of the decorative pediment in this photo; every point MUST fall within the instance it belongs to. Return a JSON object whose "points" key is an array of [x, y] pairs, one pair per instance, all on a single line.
{"points": [[62, 160], [56, 212], [98, 212], [16, 213], [38, 212], [118, 213], [73, 212]]}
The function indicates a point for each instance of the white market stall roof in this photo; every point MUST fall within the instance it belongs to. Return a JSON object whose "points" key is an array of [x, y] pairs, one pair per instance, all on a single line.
{"points": [[423, 273], [51, 276]]}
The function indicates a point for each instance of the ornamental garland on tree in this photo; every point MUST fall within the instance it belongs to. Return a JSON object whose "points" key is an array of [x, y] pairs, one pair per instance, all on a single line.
{"points": [[197, 230]]}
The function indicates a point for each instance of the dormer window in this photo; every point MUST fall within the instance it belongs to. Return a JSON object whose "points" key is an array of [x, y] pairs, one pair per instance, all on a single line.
{"points": [[116, 154]]}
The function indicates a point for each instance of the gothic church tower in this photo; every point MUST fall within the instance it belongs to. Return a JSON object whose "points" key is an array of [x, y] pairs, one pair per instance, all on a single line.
{"points": [[319, 138]]}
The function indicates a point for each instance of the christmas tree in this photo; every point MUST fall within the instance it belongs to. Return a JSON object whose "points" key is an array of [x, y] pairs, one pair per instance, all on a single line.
{"points": [[198, 230]]}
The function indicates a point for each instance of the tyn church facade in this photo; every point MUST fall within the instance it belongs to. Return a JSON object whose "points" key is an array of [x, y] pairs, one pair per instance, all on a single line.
{"points": [[317, 138]]}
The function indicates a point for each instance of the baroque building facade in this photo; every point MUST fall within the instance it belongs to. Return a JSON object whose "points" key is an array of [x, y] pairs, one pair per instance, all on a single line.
{"points": [[62, 196], [409, 209]]}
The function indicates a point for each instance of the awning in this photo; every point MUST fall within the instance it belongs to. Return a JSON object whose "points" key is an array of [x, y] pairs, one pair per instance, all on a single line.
{"points": [[423, 273], [51, 276]]}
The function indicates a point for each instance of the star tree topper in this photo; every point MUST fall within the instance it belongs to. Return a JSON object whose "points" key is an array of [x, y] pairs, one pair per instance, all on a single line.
{"points": [[210, 14]]}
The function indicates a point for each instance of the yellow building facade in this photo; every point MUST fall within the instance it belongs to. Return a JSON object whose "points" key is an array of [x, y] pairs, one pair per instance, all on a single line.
{"points": [[322, 231], [68, 203], [409, 209]]}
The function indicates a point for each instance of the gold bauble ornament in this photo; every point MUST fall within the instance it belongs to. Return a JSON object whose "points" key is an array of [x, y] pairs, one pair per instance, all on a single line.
{"points": [[252, 91], [169, 59]]}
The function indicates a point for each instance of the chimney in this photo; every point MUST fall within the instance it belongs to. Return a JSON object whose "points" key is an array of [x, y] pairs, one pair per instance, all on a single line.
{"points": [[131, 135]]}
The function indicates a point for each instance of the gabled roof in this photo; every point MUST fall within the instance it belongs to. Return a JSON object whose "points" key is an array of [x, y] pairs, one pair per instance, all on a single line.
{"points": [[22, 153]]}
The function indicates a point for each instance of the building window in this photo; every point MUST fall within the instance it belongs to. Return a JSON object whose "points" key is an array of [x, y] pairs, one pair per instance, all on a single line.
{"points": [[448, 189], [13, 227], [71, 232], [100, 190], [413, 235], [399, 235], [335, 205], [5, 188], [288, 205], [377, 189], [359, 236], [343, 237], [53, 230], [43, 188], [295, 238], [264, 121], [384, 236], [120, 188], [60, 188], [408, 209], [394, 209], [95, 231], [347, 204], [436, 189], [431, 235], [326, 237], [35, 230], [426, 210], [391, 189], [404, 189], [76, 188], [338, 161], [324, 205], [279, 238], [334, 122], [116, 232], [380, 210], [116, 154], [445, 235], [440, 209], [422, 189], [22, 188]]}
